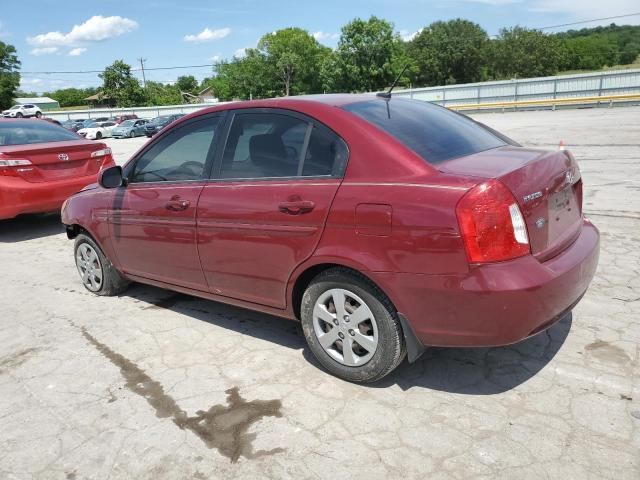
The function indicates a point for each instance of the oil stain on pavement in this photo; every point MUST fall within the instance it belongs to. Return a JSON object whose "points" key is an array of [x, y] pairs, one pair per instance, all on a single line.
{"points": [[223, 427]]}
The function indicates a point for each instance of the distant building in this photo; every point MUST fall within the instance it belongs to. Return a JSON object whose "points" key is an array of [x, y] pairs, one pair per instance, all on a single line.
{"points": [[205, 96], [44, 103], [98, 100]]}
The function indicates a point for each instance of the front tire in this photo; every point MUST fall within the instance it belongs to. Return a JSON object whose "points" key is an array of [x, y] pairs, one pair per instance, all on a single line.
{"points": [[98, 136], [98, 274], [132, 134], [351, 326], [19, 115]]}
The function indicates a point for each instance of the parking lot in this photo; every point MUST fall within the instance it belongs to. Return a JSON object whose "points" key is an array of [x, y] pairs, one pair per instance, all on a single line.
{"points": [[123, 387]]}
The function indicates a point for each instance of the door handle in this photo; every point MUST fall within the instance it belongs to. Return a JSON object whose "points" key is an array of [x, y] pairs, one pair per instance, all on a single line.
{"points": [[296, 207], [177, 205]]}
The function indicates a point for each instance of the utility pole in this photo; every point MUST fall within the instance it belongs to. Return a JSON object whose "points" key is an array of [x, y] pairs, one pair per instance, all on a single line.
{"points": [[144, 80]]}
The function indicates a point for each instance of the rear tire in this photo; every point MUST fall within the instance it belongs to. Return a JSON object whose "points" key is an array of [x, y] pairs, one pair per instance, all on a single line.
{"points": [[351, 327], [38, 114], [98, 274]]}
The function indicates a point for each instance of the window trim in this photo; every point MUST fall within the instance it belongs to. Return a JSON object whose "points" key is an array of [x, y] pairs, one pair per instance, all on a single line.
{"points": [[212, 153], [339, 168]]}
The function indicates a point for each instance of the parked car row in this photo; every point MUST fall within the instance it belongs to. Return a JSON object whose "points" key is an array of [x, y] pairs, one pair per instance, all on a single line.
{"points": [[122, 126]]}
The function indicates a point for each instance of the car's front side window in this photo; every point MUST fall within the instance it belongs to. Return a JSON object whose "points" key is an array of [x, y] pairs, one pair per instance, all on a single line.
{"points": [[181, 155]]}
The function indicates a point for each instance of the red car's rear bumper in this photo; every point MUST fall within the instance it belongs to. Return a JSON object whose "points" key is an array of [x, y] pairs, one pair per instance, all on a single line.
{"points": [[495, 304], [18, 196]]}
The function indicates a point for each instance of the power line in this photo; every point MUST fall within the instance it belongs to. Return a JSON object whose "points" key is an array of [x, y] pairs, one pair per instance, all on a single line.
{"points": [[588, 21]]}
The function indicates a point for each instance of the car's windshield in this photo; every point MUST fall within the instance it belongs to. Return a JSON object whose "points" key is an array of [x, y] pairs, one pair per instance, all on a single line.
{"points": [[433, 132], [94, 125], [127, 123], [15, 107], [27, 132]]}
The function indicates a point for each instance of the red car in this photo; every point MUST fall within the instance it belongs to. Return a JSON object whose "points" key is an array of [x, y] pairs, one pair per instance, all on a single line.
{"points": [[41, 164], [383, 225], [121, 118]]}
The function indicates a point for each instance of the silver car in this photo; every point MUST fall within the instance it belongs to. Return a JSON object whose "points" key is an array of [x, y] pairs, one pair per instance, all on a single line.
{"points": [[129, 128]]}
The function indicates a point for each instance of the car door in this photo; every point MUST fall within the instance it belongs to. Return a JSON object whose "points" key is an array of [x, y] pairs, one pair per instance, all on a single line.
{"points": [[264, 211], [153, 221]]}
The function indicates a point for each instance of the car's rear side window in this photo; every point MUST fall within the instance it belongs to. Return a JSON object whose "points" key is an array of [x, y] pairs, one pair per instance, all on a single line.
{"points": [[434, 133], [28, 132]]}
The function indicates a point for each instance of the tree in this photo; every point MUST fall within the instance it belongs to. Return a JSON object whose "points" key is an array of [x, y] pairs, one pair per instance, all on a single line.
{"points": [[520, 52], [161, 94], [244, 78], [120, 86], [293, 58], [188, 84], [368, 57], [448, 52], [9, 74]]}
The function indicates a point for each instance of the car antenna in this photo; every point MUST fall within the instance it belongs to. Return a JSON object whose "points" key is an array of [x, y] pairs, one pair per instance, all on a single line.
{"points": [[387, 94]]}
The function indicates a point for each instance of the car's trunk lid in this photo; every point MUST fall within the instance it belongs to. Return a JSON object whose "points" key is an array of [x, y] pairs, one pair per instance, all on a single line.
{"points": [[56, 160], [546, 185]]}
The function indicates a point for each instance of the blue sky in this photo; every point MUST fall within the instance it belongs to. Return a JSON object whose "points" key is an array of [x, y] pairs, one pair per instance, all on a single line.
{"points": [[70, 35]]}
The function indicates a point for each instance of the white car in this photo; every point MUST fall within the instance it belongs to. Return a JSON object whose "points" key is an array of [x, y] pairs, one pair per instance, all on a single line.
{"points": [[20, 111], [97, 130]]}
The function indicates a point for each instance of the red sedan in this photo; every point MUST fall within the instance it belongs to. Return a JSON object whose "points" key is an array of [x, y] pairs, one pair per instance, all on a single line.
{"points": [[383, 225], [41, 164]]}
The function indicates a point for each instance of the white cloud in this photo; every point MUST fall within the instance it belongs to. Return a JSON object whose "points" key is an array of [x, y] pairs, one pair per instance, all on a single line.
{"points": [[30, 81], [96, 29], [324, 36], [43, 51], [407, 35], [76, 52], [215, 58], [241, 52], [208, 35]]}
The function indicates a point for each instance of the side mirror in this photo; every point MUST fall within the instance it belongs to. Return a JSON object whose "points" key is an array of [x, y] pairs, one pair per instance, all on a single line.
{"points": [[111, 177]]}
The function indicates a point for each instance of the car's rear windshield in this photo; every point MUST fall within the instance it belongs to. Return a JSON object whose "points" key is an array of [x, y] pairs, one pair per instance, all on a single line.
{"points": [[32, 131], [433, 132]]}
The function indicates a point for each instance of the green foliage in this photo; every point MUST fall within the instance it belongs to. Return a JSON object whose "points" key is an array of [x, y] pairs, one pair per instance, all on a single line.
{"points": [[520, 53], [188, 84], [368, 58], [292, 58], [449, 52], [9, 74], [161, 94], [120, 86]]}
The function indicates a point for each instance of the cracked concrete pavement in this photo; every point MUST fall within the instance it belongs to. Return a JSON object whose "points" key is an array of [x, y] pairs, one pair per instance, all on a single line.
{"points": [[155, 385]]}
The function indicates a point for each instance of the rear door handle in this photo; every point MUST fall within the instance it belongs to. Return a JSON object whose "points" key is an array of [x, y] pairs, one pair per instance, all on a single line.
{"points": [[296, 207], [177, 205]]}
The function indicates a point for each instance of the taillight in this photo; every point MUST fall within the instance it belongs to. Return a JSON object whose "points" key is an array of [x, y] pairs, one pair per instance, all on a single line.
{"points": [[12, 167], [101, 153], [102, 156], [491, 224]]}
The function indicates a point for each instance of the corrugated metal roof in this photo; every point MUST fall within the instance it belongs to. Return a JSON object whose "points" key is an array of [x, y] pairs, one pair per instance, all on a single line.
{"points": [[24, 100]]}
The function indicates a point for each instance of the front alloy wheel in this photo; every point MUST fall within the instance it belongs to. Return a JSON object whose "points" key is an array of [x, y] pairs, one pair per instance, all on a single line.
{"points": [[89, 267]]}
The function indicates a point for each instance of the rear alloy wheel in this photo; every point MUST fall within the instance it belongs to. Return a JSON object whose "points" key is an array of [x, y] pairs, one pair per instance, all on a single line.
{"points": [[98, 274], [351, 326]]}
